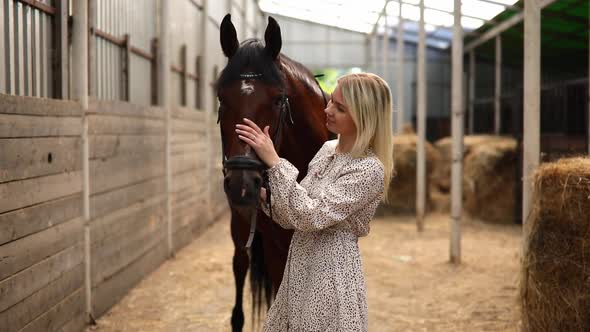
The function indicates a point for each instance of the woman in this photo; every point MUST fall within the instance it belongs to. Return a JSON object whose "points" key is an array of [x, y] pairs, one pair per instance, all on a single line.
{"points": [[323, 287]]}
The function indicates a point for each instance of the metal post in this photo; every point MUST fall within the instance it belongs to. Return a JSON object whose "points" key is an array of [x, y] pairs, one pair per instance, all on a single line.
{"points": [[80, 93], [400, 72], [92, 70], [164, 100], [532, 97], [126, 69], [204, 97], [60, 46], [498, 87], [471, 91], [183, 76], [457, 132], [154, 71], [385, 50], [421, 125]]}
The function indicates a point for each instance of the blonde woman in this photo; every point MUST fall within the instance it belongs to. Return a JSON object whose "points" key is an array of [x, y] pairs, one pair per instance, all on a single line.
{"points": [[323, 287]]}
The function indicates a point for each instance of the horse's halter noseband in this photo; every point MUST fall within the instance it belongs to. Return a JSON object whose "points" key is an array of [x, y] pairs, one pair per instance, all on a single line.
{"points": [[242, 162]]}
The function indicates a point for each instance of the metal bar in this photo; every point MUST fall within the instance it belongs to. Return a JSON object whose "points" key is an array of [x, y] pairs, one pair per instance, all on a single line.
{"points": [[183, 78], [26, 45], [457, 134], [498, 87], [198, 66], [532, 97], [200, 7], [505, 25], [7, 47], [400, 72], [421, 124], [60, 50], [47, 9], [154, 72], [92, 70], [471, 91], [385, 50], [34, 56], [17, 57], [126, 70], [141, 53]]}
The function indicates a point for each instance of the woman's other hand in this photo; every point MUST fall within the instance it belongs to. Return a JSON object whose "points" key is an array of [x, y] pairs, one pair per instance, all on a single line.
{"points": [[259, 140]]}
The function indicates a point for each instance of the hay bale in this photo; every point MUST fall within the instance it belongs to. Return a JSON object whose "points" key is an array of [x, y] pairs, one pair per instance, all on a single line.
{"points": [[489, 180], [441, 178], [402, 189], [555, 279]]}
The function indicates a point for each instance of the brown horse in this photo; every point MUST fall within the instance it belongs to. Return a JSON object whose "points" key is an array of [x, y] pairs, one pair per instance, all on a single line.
{"points": [[270, 89]]}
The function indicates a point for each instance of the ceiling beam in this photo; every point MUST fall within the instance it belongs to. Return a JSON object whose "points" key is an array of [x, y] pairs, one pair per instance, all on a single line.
{"points": [[498, 29]]}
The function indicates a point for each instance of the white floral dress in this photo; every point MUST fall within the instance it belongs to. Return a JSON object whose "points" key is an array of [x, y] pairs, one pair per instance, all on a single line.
{"points": [[323, 287]]}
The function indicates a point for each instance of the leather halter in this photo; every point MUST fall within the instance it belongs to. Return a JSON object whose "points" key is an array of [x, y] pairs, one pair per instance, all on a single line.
{"points": [[245, 163]]}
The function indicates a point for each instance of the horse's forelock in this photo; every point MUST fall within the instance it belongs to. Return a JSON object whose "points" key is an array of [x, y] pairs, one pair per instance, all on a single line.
{"points": [[251, 56]]}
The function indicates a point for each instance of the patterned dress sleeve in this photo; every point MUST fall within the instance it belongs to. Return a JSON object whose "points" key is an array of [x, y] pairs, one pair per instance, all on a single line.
{"points": [[353, 190]]}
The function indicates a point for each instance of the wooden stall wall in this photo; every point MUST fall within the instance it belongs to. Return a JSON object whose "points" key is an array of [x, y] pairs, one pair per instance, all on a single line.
{"points": [[127, 197], [41, 224]]}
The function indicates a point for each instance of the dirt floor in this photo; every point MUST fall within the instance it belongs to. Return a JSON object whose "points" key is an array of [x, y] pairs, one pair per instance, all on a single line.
{"points": [[411, 285]]}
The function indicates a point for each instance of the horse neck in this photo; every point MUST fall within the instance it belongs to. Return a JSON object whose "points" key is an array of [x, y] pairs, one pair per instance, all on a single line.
{"points": [[306, 137]]}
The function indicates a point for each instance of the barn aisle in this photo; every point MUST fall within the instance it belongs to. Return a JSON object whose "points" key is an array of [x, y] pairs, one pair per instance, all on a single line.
{"points": [[411, 286]]}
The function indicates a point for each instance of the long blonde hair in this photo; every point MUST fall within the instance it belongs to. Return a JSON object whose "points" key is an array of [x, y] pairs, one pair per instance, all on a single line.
{"points": [[369, 99]]}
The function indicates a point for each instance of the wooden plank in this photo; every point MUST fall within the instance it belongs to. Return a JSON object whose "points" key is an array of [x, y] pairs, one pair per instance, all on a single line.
{"points": [[114, 145], [125, 109], [69, 308], [184, 138], [116, 125], [184, 163], [21, 254], [188, 114], [182, 237], [77, 324], [23, 284], [112, 290], [186, 180], [39, 302], [18, 194], [123, 170], [107, 261], [13, 126], [188, 127], [20, 223], [38, 106], [102, 204], [187, 194], [197, 148], [112, 223], [31, 157]]}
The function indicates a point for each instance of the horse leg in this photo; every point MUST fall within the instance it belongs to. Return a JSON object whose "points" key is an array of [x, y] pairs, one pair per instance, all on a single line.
{"points": [[241, 263], [240, 267]]}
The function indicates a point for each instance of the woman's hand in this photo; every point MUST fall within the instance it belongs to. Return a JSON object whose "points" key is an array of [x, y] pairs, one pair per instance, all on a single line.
{"points": [[260, 141]]}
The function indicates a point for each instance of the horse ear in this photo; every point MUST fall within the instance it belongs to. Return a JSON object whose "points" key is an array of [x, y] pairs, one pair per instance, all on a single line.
{"points": [[228, 37], [272, 38]]}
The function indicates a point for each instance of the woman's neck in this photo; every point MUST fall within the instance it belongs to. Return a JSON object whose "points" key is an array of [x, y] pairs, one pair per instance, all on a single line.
{"points": [[345, 144]]}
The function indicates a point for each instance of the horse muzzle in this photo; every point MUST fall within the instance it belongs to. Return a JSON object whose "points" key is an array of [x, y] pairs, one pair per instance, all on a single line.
{"points": [[242, 181]]}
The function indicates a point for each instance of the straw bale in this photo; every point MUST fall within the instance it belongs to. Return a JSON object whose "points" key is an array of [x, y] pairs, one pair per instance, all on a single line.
{"points": [[489, 180], [402, 189], [555, 276]]}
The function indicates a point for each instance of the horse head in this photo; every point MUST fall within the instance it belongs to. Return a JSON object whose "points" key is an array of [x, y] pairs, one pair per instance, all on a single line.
{"points": [[250, 86]]}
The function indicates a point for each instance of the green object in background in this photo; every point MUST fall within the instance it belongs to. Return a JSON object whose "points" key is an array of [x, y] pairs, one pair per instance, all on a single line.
{"points": [[329, 80]]}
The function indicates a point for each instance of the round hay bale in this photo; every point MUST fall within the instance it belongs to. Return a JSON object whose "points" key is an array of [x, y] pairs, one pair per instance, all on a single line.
{"points": [[441, 177], [489, 180], [555, 278], [402, 189]]}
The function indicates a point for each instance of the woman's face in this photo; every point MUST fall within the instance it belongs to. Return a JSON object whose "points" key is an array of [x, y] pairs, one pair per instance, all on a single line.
{"points": [[338, 117]]}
